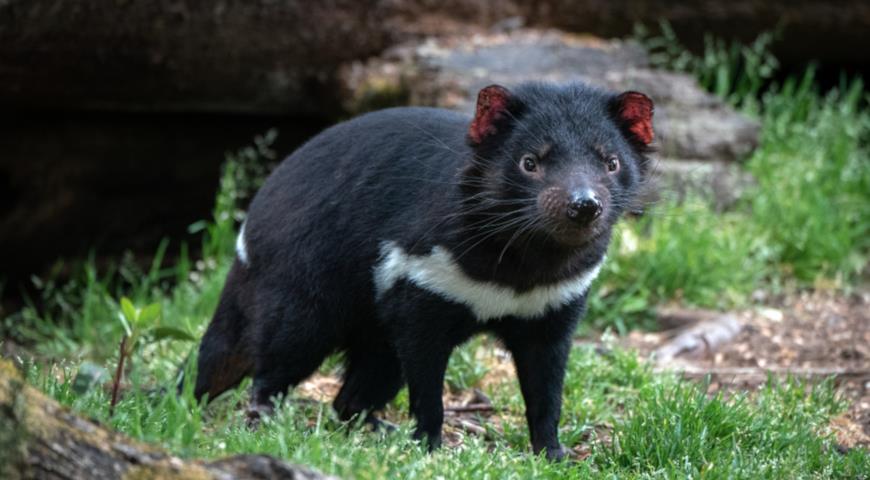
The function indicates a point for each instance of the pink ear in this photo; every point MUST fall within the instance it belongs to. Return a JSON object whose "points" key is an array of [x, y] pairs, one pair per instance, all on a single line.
{"points": [[492, 104], [636, 111]]}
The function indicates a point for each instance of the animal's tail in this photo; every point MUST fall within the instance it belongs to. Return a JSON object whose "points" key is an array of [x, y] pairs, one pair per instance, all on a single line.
{"points": [[224, 357]]}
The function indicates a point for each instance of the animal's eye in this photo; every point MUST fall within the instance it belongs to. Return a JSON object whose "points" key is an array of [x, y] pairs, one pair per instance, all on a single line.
{"points": [[612, 164], [529, 162]]}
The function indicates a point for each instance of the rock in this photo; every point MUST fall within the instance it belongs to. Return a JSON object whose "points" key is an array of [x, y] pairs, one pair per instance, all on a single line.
{"points": [[720, 182], [89, 375], [699, 138]]}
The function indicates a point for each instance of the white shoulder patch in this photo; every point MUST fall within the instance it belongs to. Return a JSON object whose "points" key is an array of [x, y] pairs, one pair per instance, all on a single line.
{"points": [[439, 273], [241, 246]]}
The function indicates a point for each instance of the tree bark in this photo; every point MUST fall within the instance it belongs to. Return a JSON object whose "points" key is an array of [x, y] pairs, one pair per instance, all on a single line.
{"points": [[41, 439]]}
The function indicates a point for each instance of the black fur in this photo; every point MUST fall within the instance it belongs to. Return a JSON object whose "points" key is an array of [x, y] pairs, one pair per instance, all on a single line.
{"points": [[413, 176]]}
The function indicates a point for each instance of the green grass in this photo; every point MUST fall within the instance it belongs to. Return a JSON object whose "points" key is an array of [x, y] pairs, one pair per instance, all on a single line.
{"points": [[733, 71], [682, 252], [806, 222], [812, 203], [683, 432], [660, 427]]}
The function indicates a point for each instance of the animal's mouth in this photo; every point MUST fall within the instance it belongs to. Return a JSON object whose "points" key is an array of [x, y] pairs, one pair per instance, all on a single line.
{"points": [[574, 236], [576, 219]]}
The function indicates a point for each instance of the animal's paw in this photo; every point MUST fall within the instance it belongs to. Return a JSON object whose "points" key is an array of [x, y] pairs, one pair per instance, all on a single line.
{"points": [[255, 415], [381, 426], [556, 454]]}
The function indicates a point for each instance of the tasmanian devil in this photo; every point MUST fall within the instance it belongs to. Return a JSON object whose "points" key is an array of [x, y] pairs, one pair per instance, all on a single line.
{"points": [[395, 236]]}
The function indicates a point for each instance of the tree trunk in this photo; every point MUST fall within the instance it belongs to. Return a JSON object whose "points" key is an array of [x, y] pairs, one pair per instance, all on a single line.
{"points": [[41, 439]]}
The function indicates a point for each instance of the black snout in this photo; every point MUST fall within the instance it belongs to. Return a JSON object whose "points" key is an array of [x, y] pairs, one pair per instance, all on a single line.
{"points": [[584, 207]]}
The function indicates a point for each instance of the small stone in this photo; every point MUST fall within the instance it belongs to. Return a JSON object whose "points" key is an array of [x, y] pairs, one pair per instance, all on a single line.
{"points": [[771, 314], [89, 375]]}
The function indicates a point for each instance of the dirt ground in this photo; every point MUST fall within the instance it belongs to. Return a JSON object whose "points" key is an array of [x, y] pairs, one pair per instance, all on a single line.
{"points": [[810, 335]]}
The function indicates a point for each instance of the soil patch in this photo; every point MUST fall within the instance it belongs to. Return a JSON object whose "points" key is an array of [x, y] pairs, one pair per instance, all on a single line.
{"points": [[811, 335]]}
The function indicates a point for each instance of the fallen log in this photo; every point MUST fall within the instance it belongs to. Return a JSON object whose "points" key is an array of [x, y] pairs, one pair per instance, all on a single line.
{"points": [[40, 438]]}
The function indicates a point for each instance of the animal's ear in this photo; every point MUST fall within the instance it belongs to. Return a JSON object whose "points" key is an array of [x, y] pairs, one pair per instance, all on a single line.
{"points": [[492, 107], [634, 111]]}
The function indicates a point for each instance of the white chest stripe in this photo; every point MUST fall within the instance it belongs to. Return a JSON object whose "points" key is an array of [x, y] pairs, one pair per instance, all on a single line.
{"points": [[439, 273], [241, 246]]}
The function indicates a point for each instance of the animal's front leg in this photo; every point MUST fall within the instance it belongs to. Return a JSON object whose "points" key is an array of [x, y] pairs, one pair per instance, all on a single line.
{"points": [[424, 368], [540, 351], [425, 329]]}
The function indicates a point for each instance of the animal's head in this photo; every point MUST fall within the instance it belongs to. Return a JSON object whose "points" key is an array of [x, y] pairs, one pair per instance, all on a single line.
{"points": [[564, 161]]}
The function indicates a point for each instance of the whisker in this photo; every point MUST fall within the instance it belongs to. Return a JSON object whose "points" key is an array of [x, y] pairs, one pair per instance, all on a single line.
{"points": [[513, 237], [487, 235]]}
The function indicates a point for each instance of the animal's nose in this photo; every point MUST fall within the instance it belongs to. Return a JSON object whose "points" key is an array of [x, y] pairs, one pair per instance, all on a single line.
{"points": [[584, 207]]}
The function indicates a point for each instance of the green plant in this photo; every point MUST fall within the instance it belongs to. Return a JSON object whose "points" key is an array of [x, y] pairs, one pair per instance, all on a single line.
{"points": [[465, 370], [140, 325], [680, 430], [731, 70], [679, 251], [812, 201]]}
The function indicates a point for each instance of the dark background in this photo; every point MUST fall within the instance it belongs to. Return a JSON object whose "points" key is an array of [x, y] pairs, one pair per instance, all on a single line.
{"points": [[116, 114]]}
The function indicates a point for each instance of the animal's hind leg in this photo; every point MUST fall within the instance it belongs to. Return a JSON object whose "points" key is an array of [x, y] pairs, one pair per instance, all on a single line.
{"points": [[224, 358], [287, 355], [372, 378]]}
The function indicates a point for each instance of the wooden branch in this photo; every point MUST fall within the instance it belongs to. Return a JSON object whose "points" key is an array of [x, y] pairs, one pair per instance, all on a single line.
{"points": [[471, 407], [467, 426], [702, 338], [39, 438]]}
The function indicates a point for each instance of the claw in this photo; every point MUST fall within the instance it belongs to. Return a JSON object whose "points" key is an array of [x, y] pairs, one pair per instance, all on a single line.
{"points": [[379, 425], [255, 414]]}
